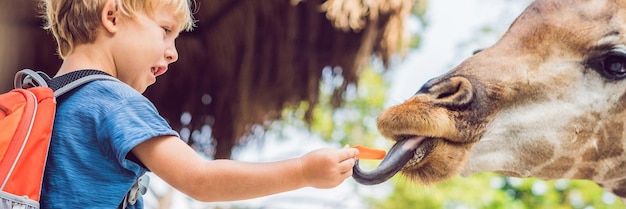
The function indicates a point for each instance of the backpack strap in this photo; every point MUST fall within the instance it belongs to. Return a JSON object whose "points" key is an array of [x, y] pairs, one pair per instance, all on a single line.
{"points": [[79, 82], [28, 78], [139, 188]]}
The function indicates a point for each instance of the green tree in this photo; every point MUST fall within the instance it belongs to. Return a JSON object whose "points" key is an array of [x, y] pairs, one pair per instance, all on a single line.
{"points": [[493, 191]]}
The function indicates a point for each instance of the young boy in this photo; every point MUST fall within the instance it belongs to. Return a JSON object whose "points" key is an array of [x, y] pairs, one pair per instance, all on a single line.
{"points": [[106, 134]]}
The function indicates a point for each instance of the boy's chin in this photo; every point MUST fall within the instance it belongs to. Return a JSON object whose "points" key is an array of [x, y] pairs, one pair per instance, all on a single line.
{"points": [[141, 88], [145, 86]]}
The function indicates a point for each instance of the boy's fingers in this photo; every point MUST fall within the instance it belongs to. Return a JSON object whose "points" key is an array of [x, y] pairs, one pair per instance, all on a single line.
{"points": [[346, 165], [347, 174], [348, 171], [347, 154], [351, 152]]}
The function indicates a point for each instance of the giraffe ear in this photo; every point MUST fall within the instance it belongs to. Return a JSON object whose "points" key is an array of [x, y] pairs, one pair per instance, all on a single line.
{"points": [[109, 16]]}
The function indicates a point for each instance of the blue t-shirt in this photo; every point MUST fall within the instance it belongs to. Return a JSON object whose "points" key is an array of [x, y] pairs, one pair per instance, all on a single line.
{"points": [[94, 130]]}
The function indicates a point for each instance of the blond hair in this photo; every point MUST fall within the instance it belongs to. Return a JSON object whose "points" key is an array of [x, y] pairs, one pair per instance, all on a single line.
{"points": [[76, 22]]}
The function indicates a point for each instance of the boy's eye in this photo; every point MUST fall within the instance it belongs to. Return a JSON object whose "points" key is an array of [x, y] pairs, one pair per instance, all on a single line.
{"points": [[167, 30]]}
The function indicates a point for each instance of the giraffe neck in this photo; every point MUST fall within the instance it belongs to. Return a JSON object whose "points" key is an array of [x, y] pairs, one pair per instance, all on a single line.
{"points": [[601, 160]]}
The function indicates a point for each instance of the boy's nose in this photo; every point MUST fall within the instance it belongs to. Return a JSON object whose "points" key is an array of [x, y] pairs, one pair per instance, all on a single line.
{"points": [[171, 55]]}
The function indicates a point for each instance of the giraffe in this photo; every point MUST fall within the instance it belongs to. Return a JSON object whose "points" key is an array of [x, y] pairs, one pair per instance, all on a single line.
{"points": [[547, 100]]}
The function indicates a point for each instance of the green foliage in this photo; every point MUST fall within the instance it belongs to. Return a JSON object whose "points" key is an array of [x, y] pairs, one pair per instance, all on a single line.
{"points": [[493, 191], [415, 41], [449, 194], [418, 13], [355, 121]]}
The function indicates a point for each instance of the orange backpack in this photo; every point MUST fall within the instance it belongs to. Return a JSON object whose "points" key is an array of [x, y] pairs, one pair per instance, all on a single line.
{"points": [[26, 119]]}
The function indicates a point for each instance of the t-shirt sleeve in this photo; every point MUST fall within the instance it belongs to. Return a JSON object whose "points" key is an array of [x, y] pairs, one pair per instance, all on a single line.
{"points": [[133, 121]]}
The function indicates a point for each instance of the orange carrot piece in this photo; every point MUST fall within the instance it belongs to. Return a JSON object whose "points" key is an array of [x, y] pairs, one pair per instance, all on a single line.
{"points": [[370, 153]]}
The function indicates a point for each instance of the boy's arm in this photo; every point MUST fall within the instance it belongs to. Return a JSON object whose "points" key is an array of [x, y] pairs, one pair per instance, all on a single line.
{"points": [[225, 180]]}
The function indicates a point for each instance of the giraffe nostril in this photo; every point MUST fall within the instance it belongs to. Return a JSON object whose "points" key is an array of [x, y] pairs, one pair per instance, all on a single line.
{"points": [[455, 91], [425, 88], [444, 95]]}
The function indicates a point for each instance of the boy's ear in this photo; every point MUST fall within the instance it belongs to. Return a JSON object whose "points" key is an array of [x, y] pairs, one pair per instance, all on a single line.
{"points": [[109, 16]]}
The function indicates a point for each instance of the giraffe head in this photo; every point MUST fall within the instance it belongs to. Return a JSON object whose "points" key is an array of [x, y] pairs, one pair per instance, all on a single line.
{"points": [[547, 100]]}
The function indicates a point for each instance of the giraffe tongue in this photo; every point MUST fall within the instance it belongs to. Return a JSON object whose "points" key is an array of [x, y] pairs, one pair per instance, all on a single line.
{"points": [[396, 158]]}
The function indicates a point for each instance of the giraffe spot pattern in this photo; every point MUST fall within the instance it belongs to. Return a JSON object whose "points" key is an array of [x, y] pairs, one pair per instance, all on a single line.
{"points": [[561, 165], [621, 189], [608, 143]]}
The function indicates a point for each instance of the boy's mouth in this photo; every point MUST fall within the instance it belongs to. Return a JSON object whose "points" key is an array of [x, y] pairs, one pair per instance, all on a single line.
{"points": [[158, 70]]}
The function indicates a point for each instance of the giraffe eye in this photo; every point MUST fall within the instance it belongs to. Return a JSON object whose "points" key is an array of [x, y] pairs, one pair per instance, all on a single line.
{"points": [[612, 65], [615, 65]]}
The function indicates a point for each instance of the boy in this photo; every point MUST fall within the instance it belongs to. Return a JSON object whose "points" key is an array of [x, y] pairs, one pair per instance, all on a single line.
{"points": [[108, 134]]}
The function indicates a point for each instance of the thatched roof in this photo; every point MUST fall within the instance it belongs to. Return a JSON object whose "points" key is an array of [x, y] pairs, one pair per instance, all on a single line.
{"points": [[246, 60]]}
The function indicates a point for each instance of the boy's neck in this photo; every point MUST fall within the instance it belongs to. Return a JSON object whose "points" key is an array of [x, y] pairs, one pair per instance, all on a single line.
{"points": [[87, 56]]}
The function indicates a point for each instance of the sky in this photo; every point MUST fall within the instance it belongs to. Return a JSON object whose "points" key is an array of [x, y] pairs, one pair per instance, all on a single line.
{"points": [[455, 29]]}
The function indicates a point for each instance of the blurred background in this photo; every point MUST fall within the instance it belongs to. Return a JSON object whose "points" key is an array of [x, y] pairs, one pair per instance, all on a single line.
{"points": [[270, 80]]}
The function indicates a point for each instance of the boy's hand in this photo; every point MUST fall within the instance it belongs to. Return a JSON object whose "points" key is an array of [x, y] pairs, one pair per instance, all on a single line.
{"points": [[328, 167]]}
